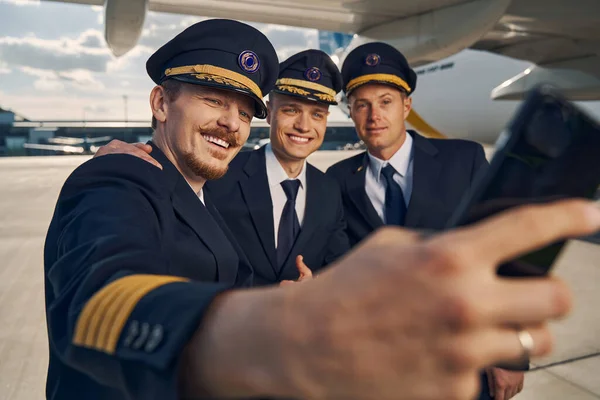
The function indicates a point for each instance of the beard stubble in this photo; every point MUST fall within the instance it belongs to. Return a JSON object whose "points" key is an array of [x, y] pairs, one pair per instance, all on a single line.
{"points": [[205, 169]]}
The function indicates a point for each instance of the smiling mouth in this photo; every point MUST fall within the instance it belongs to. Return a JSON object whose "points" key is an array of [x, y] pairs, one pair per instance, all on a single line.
{"points": [[215, 140], [299, 139], [379, 129]]}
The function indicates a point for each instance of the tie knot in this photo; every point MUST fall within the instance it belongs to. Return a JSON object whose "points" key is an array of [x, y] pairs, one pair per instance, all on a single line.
{"points": [[388, 172], [290, 187]]}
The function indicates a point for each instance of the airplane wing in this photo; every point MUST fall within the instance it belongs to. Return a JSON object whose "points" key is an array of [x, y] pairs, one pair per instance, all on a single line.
{"points": [[334, 15], [559, 37], [426, 30]]}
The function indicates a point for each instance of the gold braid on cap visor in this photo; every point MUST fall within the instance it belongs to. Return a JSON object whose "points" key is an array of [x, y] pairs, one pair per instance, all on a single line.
{"points": [[291, 85], [220, 75], [387, 78]]}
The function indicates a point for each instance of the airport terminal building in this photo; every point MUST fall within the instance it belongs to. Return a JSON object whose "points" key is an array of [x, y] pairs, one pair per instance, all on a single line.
{"points": [[20, 136]]}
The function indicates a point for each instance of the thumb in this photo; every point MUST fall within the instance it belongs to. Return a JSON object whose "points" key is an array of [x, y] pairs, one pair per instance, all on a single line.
{"points": [[143, 146], [304, 271]]}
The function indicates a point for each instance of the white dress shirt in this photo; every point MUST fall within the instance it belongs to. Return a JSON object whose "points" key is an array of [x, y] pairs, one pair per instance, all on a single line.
{"points": [[199, 194], [275, 175], [375, 184]]}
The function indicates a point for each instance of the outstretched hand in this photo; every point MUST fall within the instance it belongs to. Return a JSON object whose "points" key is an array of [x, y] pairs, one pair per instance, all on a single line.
{"points": [[305, 272]]}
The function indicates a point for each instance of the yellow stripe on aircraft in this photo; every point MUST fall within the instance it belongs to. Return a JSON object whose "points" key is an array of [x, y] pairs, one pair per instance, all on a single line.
{"points": [[421, 126]]}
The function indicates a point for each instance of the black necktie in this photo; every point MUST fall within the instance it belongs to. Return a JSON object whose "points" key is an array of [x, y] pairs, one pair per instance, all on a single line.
{"points": [[289, 226], [395, 207]]}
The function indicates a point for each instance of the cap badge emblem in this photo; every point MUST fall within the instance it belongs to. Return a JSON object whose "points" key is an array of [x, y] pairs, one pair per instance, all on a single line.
{"points": [[313, 74], [372, 60], [248, 61]]}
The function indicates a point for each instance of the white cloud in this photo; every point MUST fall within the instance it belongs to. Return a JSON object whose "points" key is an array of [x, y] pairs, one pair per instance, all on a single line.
{"points": [[100, 17], [76, 75], [40, 73], [159, 28], [48, 85], [4, 68], [56, 80], [287, 40], [82, 79], [155, 35], [96, 109], [282, 36], [22, 2], [121, 63], [58, 54], [63, 105], [92, 39], [283, 53]]}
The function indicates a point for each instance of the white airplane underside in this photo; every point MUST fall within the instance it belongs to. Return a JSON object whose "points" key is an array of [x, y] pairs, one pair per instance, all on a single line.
{"points": [[559, 37]]}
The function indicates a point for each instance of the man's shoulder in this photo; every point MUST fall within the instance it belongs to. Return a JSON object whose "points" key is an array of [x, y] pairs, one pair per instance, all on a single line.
{"points": [[455, 145], [328, 187], [320, 177], [346, 166], [119, 170], [234, 173], [240, 160]]}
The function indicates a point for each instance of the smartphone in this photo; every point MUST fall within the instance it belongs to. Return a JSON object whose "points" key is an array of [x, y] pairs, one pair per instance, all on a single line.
{"points": [[550, 150]]}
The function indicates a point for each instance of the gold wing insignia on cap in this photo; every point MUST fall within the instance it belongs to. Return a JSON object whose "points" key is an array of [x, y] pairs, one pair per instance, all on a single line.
{"points": [[325, 97], [219, 79], [217, 74], [293, 89]]}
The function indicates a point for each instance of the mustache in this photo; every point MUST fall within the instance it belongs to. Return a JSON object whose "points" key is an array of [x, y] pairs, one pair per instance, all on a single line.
{"points": [[222, 134]]}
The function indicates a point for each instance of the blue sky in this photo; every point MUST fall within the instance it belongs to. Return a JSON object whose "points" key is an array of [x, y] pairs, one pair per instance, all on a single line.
{"points": [[54, 63]]}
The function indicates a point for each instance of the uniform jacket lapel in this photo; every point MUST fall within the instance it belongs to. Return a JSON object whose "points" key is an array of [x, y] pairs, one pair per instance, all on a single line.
{"points": [[355, 187], [313, 215], [426, 170], [257, 195], [191, 210]]}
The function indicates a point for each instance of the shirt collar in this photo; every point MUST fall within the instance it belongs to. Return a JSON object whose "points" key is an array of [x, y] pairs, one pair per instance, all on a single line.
{"points": [[400, 160], [275, 172], [200, 193]]}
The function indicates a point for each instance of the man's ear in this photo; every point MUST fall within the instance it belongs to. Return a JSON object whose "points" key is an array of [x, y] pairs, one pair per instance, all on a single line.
{"points": [[349, 105], [269, 111], [407, 106], [158, 103], [350, 112]]}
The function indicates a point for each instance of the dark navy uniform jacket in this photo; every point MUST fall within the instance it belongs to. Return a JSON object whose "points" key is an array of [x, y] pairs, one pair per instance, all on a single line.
{"points": [[244, 200], [132, 261], [443, 171]]}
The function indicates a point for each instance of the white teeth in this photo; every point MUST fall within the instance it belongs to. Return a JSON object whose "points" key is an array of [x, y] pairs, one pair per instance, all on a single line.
{"points": [[215, 140], [299, 139]]}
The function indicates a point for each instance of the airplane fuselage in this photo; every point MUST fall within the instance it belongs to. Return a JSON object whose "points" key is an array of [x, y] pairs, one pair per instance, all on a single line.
{"points": [[454, 95]]}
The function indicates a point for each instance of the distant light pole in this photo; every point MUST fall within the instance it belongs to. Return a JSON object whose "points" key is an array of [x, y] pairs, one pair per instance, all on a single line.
{"points": [[125, 106]]}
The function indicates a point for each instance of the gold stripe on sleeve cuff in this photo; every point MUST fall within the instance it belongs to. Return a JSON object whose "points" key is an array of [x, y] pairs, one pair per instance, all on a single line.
{"points": [[103, 317]]}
